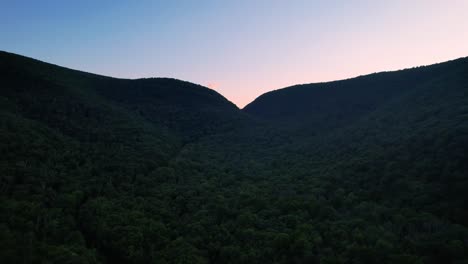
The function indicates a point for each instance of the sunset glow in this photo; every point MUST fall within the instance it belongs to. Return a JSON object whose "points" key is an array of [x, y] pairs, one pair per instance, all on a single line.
{"points": [[239, 48]]}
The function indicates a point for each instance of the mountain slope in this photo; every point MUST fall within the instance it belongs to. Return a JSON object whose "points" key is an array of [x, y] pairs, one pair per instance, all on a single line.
{"points": [[103, 170], [376, 131], [167, 103], [322, 107], [69, 138]]}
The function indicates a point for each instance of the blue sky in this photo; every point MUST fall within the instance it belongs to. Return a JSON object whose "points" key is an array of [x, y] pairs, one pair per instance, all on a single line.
{"points": [[239, 48]]}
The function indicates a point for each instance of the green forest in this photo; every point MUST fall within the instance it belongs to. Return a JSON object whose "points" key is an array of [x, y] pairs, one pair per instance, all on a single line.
{"points": [[95, 169]]}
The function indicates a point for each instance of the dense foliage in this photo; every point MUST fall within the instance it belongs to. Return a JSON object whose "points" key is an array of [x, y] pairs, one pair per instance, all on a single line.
{"points": [[103, 170]]}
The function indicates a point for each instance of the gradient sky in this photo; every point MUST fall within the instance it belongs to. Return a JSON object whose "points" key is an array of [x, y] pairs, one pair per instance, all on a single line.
{"points": [[241, 48]]}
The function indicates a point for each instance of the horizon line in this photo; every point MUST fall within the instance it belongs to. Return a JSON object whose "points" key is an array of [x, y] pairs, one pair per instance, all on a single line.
{"points": [[214, 89]]}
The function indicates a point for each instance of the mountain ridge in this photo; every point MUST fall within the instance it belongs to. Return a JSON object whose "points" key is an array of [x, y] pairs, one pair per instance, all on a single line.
{"points": [[342, 100], [23, 57], [96, 169], [361, 76], [9, 56]]}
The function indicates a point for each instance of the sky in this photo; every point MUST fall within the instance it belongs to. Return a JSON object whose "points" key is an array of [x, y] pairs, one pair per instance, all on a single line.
{"points": [[240, 48]]}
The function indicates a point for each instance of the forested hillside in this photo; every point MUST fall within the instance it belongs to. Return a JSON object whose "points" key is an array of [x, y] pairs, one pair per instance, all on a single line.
{"points": [[325, 106], [103, 170]]}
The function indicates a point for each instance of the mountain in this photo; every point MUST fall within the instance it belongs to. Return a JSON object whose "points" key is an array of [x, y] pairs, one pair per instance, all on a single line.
{"points": [[322, 107], [73, 136], [167, 103], [381, 130], [97, 169]]}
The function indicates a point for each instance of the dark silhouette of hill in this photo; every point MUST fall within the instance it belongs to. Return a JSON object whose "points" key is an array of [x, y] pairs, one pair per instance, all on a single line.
{"points": [[96, 169], [168, 103], [321, 107], [414, 119]]}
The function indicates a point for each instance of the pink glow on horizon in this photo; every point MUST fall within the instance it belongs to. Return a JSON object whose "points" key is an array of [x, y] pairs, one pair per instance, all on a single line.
{"points": [[427, 32], [241, 48], [213, 85]]}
